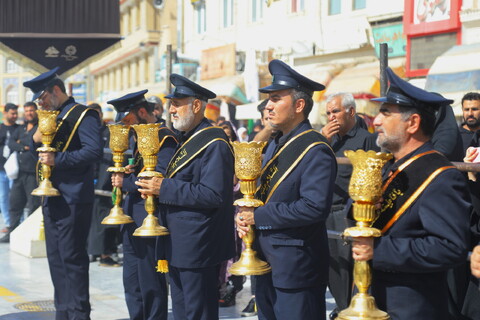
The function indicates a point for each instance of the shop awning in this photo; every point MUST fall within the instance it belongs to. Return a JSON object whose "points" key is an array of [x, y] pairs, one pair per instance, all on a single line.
{"points": [[455, 73], [322, 73], [363, 78], [247, 111], [43, 34], [231, 88]]}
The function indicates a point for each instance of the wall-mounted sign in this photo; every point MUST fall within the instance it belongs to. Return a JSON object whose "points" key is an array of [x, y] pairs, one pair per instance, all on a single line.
{"points": [[431, 10], [393, 36]]}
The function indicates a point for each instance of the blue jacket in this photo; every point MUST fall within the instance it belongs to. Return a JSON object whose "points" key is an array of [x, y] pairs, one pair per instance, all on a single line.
{"points": [[291, 230], [411, 258], [197, 203], [73, 173]]}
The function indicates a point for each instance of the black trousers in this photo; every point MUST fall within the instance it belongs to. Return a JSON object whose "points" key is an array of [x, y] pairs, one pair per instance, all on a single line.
{"points": [[194, 293], [66, 231], [340, 273], [287, 304], [102, 239], [21, 197], [146, 291]]}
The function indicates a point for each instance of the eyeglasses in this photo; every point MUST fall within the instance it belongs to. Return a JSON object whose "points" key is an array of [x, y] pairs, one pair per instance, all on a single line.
{"points": [[41, 97]]}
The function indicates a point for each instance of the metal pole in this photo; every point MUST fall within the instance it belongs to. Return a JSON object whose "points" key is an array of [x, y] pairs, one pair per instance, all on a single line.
{"points": [[383, 69], [168, 84]]}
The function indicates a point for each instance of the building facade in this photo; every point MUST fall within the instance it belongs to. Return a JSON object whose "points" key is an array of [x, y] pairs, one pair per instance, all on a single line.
{"points": [[12, 76], [137, 61]]}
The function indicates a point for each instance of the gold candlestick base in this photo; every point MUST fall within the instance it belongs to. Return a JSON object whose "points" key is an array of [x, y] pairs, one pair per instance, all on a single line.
{"points": [[45, 188], [249, 264], [363, 307], [150, 225], [151, 228], [117, 216]]}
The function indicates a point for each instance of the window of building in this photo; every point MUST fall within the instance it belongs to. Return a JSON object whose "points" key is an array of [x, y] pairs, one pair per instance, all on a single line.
{"points": [[28, 95], [297, 6], [201, 16], [227, 13], [359, 4], [12, 94], [334, 7], [12, 67], [257, 10]]}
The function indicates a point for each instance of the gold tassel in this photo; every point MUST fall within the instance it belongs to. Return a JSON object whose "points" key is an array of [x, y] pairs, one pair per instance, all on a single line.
{"points": [[162, 266]]}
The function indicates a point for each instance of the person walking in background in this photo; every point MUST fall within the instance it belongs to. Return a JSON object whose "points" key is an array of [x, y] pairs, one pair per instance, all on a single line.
{"points": [[157, 105], [21, 198], [10, 115]]}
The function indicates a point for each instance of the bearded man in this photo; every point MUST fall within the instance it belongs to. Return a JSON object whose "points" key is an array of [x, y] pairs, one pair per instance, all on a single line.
{"points": [[195, 199]]}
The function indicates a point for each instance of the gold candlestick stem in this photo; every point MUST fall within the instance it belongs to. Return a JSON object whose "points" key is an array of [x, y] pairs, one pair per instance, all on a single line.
{"points": [[148, 145], [118, 144], [248, 166], [365, 188], [47, 124]]}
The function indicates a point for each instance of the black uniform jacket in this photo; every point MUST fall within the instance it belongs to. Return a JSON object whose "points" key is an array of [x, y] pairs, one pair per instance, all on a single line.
{"points": [[197, 203], [291, 230], [73, 172], [411, 258]]}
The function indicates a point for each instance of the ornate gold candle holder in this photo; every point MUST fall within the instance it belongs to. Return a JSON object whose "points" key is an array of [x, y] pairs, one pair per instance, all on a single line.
{"points": [[366, 189], [148, 145], [118, 145], [47, 124], [248, 167]]}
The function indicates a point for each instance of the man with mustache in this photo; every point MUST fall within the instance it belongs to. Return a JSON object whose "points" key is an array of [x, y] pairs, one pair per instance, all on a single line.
{"points": [[424, 215], [196, 203], [296, 187], [21, 193], [471, 118], [146, 292]]}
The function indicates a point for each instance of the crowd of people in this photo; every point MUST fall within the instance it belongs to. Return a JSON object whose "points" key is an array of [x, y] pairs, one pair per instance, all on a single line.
{"points": [[429, 223]]}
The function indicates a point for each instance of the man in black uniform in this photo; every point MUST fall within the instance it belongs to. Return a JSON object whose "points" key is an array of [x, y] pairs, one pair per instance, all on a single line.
{"points": [[344, 132], [296, 186], [424, 216], [67, 217], [146, 291], [8, 126], [196, 199]]}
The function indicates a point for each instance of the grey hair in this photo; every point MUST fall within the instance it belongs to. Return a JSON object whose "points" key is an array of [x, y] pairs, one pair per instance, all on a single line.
{"points": [[347, 100], [204, 104]]}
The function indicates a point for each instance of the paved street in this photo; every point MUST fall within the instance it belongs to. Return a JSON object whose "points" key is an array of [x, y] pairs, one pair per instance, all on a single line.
{"points": [[25, 285]]}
